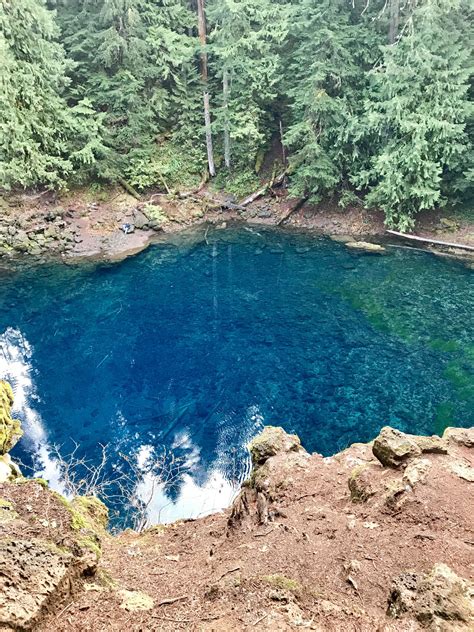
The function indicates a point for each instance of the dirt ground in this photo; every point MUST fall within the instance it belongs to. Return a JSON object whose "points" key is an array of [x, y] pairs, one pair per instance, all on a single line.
{"points": [[298, 550]]}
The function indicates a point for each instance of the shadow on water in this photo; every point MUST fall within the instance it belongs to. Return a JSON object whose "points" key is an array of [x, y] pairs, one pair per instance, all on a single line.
{"points": [[193, 346]]}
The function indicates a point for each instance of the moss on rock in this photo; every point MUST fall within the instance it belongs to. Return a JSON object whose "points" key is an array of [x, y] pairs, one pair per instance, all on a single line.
{"points": [[10, 429], [92, 509], [283, 583], [270, 442]]}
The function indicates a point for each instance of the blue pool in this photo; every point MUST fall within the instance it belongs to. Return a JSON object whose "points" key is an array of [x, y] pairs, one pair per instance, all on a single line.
{"points": [[174, 359]]}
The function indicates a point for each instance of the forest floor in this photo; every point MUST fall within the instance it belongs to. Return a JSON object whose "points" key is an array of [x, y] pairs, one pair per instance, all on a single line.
{"points": [[84, 224], [333, 544]]}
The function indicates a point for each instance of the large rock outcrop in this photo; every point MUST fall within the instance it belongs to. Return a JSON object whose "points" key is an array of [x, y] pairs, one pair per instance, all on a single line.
{"points": [[46, 543], [377, 537], [439, 599]]}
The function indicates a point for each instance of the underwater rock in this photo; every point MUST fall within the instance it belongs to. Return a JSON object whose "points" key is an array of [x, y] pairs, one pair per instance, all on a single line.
{"points": [[440, 597], [10, 430], [366, 246], [270, 442]]}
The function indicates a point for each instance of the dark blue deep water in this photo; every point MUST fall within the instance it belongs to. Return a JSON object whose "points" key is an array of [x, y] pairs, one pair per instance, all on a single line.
{"points": [[185, 351]]}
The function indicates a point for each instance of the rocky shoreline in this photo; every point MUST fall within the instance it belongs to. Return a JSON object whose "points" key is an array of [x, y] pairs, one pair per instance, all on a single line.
{"points": [[74, 228], [377, 537]]}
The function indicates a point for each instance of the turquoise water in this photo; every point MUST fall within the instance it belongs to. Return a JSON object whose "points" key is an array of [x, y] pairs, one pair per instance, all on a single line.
{"points": [[192, 346]]}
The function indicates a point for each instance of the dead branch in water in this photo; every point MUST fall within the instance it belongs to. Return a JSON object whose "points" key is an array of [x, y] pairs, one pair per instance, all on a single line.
{"points": [[431, 241]]}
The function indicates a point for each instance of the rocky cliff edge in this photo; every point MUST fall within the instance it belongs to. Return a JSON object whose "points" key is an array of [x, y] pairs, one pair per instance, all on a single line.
{"points": [[377, 537]]}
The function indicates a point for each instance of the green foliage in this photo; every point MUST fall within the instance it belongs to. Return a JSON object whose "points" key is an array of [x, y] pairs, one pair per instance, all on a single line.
{"points": [[101, 90], [168, 166], [415, 117], [240, 183], [245, 45], [133, 62], [42, 140], [332, 49]]}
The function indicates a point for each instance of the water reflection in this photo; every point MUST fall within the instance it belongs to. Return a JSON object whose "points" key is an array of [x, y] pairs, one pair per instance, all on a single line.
{"points": [[16, 368], [147, 484], [189, 348]]}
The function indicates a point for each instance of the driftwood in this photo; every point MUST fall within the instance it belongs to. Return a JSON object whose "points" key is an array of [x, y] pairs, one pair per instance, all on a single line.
{"points": [[215, 204], [292, 210], [431, 241]]}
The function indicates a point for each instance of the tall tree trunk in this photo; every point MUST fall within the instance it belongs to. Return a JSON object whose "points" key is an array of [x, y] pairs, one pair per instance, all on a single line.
{"points": [[393, 21], [283, 153], [207, 112], [225, 91]]}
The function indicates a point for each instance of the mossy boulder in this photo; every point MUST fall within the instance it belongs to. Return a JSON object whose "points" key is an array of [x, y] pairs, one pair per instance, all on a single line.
{"points": [[92, 510], [271, 441], [10, 429], [392, 447], [363, 482]]}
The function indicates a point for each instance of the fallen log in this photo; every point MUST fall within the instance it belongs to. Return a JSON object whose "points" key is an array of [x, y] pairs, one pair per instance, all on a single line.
{"points": [[129, 189], [292, 210], [261, 192], [426, 240], [198, 189]]}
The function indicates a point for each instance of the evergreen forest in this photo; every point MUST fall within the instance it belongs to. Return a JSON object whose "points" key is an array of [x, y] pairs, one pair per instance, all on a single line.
{"points": [[367, 101]]}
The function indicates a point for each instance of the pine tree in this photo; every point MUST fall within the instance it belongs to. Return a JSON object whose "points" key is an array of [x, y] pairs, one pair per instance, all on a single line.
{"points": [[416, 115], [42, 141]]}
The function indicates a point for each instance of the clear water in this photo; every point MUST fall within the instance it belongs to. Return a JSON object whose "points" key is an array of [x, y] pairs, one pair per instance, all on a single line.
{"points": [[194, 345]]}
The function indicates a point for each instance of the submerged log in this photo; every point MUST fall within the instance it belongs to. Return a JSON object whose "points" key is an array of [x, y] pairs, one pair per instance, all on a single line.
{"points": [[427, 240]]}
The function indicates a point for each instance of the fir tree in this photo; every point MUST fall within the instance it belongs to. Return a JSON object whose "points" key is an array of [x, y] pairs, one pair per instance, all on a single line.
{"points": [[416, 115], [42, 141], [332, 47], [133, 61], [246, 37]]}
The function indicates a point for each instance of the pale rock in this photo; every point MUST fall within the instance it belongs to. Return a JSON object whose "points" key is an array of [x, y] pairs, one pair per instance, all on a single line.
{"points": [[461, 436], [392, 447], [416, 472], [133, 600]]}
